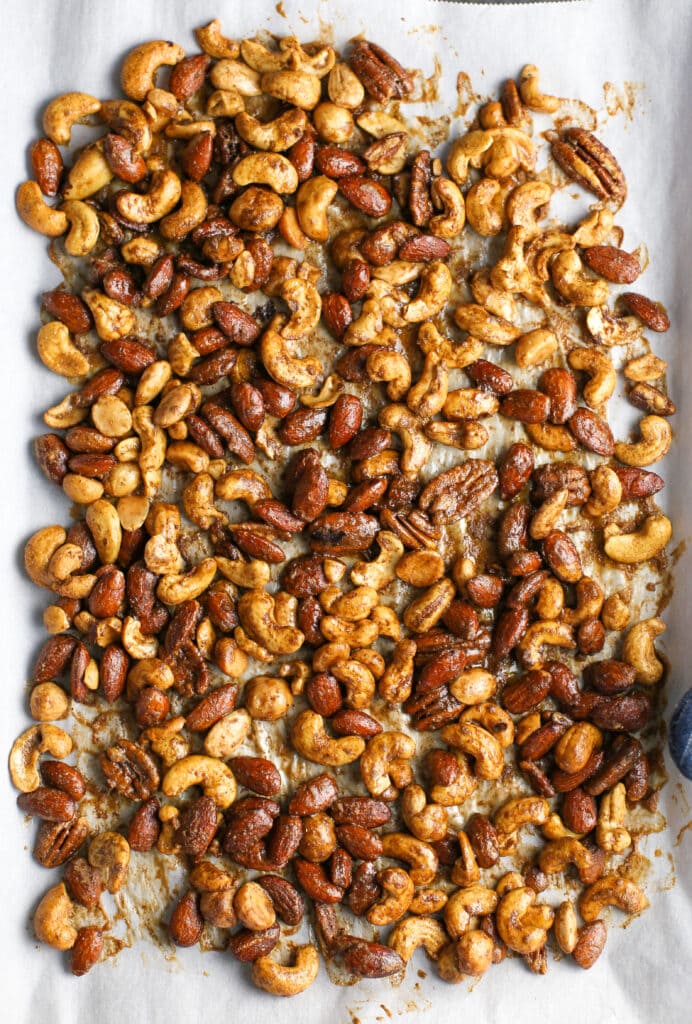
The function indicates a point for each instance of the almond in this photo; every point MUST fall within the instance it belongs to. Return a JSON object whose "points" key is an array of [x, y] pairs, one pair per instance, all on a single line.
{"points": [[612, 263], [367, 195], [651, 313]]}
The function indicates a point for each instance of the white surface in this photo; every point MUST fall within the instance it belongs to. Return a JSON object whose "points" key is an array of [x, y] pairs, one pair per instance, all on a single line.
{"points": [[52, 47]]}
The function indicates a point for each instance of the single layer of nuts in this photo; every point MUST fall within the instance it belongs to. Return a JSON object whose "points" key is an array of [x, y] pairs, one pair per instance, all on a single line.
{"points": [[278, 371]]}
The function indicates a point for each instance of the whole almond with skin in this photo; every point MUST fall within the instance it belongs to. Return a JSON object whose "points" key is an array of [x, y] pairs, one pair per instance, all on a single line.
{"points": [[248, 403], [423, 248], [65, 777], [351, 722], [483, 837], [367, 195], [187, 77], [323, 694], [345, 420], [302, 426], [652, 314], [248, 946], [490, 377], [526, 405], [239, 327], [355, 280], [562, 557], [336, 162], [212, 708], [313, 879], [560, 386], [302, 155], [196, 158], [256, 773], [86, 951], [314, 796], [113, 669], [360, 810], [119, 284], [123, 160], [372, 960], [612, 263], [527, 692], [650, 400], [579, 811], [128, 355], [287, 901], [186, 922], [638, 483], [52, 455], [69, 309], [47, 165], [197, 827], [53, 658], [83, 882], [278, 515], [47, 803], [515, 470], [342, 533], [590, 944], [336, 313], [592, 431]]}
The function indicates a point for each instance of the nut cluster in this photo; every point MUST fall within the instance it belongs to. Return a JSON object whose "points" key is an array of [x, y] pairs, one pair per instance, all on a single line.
{"points": [[272, 353]]}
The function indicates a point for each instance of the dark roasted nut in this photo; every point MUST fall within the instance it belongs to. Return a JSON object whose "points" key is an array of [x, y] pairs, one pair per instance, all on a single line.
{"points": [[509, 629], [52, 455], [130, 770], [564, 782], [119, 284], [145, 826], [234, 433], [526, 405], [248, 946], [612, 263], [616, 766], [372, 960], [128, 355], [287, 901], [211, 369], [174, 296], [351, 722], [336, 313], [276, 514], [419, 200], [187, 77], [460, 491], [323, 694], [638, 483], [69, 309], [303, 426], [513, 532], [560, 386], [310, 487], [552, 476], [313, 796], [313, 879], [53, 658], [108, 593], [113, 670], [592, 432], [47, 803], [360, 810], [515, 470], [543, 739], [123, 159], [562, 557], [382, 76], [278, 399], [186, 922], [369, 442], [195, 159], [590, 944], [248, 404], [47, 165], [366, 194], [591, 164], [302, 156], [344, 420], [65, 777], [485, 590], [86, 951], [364, 889], [341, 868], [56, 842], [590, 636], [579, 811], [256, 773], [83, 882], [151, 707], [362, 843], [650, 399], [527, 692], [484, 840], [491, 377], [652, 314], [342, 533], [197, 827], [423, 248], [563, 683], [336, 162]]}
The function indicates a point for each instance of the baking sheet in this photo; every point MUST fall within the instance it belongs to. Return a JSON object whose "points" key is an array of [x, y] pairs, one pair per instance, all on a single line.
{"points": [[645, 52]]}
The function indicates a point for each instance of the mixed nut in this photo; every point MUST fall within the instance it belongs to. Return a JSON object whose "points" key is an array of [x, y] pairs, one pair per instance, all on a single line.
{"points": [[279, 364]]}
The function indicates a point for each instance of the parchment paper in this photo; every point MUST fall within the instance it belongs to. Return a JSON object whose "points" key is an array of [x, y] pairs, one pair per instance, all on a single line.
{"points": [[52, 47]]}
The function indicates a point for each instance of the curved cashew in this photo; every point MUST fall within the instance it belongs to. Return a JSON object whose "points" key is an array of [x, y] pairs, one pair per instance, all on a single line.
{"points": [[178, 587], [298, 88], [470, 403], [446, 195], [594, 228], [611, 330], [27, 749], [531, 95], [522, 925], [638, 651], [84, 227], [109, 852], [215, 778], [393, 367], [398, 886], [112, 319], [164, 192], [656, 436], [384, 764], [467, 150], [277, 135], [89, 173], [465, 904], [494, 720], [519, 811], [546, 516], [573, 284], [310, 739], [133, 640], [66, 110], [642, 544], [305, 304], [37, 214], [188, 216], [58, 352], [493, 330], [420, 856], [378, 573], [138, 72], [611, 835], [214, 43], [251, 575], [611, 891], [396, 681], [556, 855], [149, 672], [479, 744], [283, 367], [606, 491], [53, 919], [554, 634], [485, 207], [257, 613], [412, 933], [417, 448], [290, 55], [369, 328], [198, 501], [38, 552], [527, 204], [601, 371], [426, 821], [589, 602], [312, 202], [266, 169], [428, 395], [281, 980], [242, 485], [433, 293], [355, 634]]}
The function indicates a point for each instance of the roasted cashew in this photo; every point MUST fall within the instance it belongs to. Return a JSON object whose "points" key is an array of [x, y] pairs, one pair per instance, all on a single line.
{"points": [[251, 575], [37, 214], [465, 904], [425, 821], [473, 686], [289, 56], [58, 352], [642, 544], [611, 891], [413, 932], [149, 672], [611, 834], [656, 436], [420, 856], [589, 602], [369, 328], [609, 330], [298, 88], [112, 319], [242, 485], [398, 889], [27, 749], [470, 403], [433, 293], [546, 516], [565, 926], [479, 744], [229, 75], [214, 43], [384, 764], [277, 135], [638, 651], [601, 371], [164, 192], [257, 613], [228, 734], [378, 573], [281, 365], [84, 227], [344, 87], [428, 395], [53, 919], [109, 853], [89, 173], [188, 216], [467, 150], [281, 980], [522, 925], [556, 855], [606, 491], [392, 367], [179, 587], [493, 330], [305, 304], [551, 436], [397, 679], [416, 447], [133, 640], [531, 95], [485, 207], [594, 228], [494, 720], [514, 814], [447, 196], [645, 369], [138, 72], [270, 169], [554, 634], [310, 739], [527, 204], [573, 284], [66, 110], [215, 778]]}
